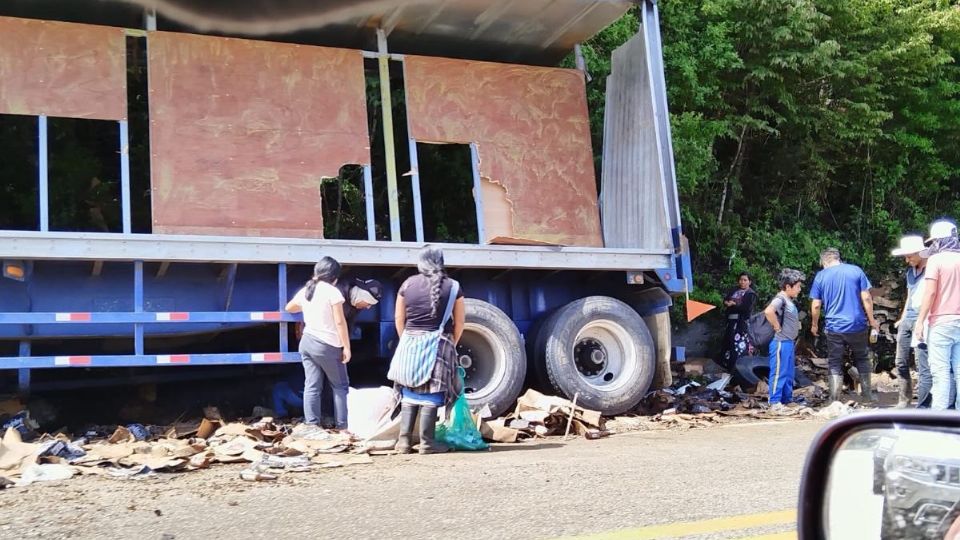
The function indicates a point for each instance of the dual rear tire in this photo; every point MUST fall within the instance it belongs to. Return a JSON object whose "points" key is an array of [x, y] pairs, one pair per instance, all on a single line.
{"points": [[596, 348]]}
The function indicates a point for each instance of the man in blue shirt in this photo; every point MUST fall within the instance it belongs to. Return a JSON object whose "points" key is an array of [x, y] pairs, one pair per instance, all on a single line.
{"points": [[842, 291]]}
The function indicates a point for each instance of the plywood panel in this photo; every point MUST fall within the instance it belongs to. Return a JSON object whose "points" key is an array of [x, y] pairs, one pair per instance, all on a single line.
{"points": [[243, 131], [533, 136], [62, 69]]}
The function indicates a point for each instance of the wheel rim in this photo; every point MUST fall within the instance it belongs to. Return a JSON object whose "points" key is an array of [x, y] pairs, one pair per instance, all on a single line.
{"points": [[484, 359], [605, 355]]}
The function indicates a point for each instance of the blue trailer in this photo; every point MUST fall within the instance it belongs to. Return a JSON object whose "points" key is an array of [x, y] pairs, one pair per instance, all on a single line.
{"points": [[585, 321]]}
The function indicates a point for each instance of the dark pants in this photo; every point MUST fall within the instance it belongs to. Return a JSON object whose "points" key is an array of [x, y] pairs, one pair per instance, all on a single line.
{"points": [[323, 362], [904, 337], [859, 346]]}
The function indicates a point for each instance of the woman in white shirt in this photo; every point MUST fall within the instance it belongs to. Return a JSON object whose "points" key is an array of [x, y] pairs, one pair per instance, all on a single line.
{"points": [[325, 345]]}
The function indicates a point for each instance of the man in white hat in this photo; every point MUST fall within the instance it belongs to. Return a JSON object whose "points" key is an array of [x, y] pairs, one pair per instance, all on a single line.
{"points": [[938, 323], [910, 248]]}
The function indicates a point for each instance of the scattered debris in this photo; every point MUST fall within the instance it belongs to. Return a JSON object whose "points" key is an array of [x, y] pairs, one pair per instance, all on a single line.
{"points": [[47, 472], [539, 415], [836, 410]]}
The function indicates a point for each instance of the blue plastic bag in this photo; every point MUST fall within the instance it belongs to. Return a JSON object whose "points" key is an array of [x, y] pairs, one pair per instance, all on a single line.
{"points": [[459, 431]]}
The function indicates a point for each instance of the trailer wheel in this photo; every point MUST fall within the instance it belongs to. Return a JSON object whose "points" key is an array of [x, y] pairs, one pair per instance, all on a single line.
{"points": [[600, 348], [493, 357]]}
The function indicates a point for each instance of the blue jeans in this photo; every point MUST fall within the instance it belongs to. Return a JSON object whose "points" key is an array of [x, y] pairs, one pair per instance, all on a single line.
{"points": [[943, 349], [323, 362]]}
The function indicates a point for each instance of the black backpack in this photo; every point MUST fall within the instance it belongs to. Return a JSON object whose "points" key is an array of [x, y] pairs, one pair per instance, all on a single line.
{"points": [[759, 328]]}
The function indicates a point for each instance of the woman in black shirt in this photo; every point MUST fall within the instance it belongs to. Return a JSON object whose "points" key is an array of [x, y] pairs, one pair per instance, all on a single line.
{"points": [[740, 303], [421, 303]]}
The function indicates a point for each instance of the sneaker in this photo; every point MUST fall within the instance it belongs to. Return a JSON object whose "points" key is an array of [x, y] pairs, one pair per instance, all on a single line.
{"points": [[779, 409]]}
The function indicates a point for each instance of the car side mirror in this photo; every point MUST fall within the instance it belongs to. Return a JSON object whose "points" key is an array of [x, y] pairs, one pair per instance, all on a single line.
{"points": [[887, 475]]}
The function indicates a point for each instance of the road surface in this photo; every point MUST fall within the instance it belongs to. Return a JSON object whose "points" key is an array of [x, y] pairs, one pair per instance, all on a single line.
{"points": [[737, 481]]}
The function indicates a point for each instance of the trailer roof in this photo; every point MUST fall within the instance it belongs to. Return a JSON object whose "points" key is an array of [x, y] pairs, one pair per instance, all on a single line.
{"points": [[520, 31]]}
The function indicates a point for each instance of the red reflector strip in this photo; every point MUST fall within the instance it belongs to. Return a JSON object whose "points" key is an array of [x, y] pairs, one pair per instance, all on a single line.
{"points": [[173, 316], [72, 361], [174, 359], [266, 357], [71, 317]]}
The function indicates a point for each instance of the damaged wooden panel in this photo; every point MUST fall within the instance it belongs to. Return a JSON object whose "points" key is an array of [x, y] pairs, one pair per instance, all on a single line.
{"points": [[62, 69], [533, 138], [634, 185], [244, 131]]}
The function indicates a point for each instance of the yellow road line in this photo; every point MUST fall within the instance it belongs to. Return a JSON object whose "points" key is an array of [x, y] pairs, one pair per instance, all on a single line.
{"points": [[788, 535], [688, 528]]}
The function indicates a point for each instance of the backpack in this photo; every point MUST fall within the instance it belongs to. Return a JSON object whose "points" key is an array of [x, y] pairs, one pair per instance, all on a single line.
{"points": [[759, 328]]}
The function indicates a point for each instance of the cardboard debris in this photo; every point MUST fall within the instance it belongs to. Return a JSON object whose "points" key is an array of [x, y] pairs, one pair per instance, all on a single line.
{"points": [[121, 435], [16, 454], [207, 428], [496, 431]]}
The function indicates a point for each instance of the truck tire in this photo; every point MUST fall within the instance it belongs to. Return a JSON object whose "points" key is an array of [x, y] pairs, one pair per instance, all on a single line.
{"points": [[536, 345], [600, 348], [749, 370], [493, 357]]}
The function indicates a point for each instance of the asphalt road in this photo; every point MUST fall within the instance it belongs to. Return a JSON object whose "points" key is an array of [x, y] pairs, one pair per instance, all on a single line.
{"points": [[736, 481]]}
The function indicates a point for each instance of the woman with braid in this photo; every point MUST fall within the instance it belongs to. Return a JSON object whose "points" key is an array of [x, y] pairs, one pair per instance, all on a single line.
{"points": [[421, 308]]}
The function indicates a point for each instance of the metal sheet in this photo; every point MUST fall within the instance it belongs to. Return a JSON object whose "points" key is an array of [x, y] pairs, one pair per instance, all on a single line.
{"points": [[532, 133], [62, 69], [243, 131], [526, 31], [155, 247], [633, 200]]}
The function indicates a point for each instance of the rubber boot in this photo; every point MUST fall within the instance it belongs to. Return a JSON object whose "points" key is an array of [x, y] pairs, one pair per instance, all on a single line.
{"points": [[906, 393], [408, 418], [836, 385], [866, 392], [428, 429]]}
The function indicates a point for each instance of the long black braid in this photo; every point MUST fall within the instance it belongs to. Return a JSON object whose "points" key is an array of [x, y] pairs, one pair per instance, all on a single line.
{"points": [[431, 267]]}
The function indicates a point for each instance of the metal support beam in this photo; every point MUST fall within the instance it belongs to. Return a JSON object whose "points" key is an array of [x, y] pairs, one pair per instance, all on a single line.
{"points": [[23, 374], [477, 193], [125, 176], [150, 20], [368, 201], [230, 276], [281, 303], [43, 195], [21, 245], [388, 143], [415, 184], [138, 306]]}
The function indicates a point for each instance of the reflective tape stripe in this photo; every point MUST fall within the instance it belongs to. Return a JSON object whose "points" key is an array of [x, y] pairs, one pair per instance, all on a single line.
{"points": [[173, 359], [72, 361], [265, 316], [70, 317], [266, 357], [173, 316]]}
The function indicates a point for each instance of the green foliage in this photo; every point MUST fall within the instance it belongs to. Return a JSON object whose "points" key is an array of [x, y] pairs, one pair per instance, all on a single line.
{"points": [[801, 124]]}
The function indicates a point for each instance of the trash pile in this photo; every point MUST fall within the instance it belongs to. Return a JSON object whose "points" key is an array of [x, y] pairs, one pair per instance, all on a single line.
{"points": [[137, 451], [694, 402], [539, 415]]}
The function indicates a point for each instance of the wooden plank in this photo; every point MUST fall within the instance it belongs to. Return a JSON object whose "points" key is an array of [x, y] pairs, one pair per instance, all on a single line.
{"points": [[243, 132], [62, 69], [532, 132]]}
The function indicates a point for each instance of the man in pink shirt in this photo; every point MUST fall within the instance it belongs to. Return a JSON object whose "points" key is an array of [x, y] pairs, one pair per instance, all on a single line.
{"points": [[938, 323]]}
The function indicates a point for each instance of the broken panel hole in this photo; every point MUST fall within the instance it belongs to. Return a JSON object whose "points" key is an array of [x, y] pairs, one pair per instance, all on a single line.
{"points": [[446, 186], [19, 173], [344, 205], [84, 175], [138, 122]]}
